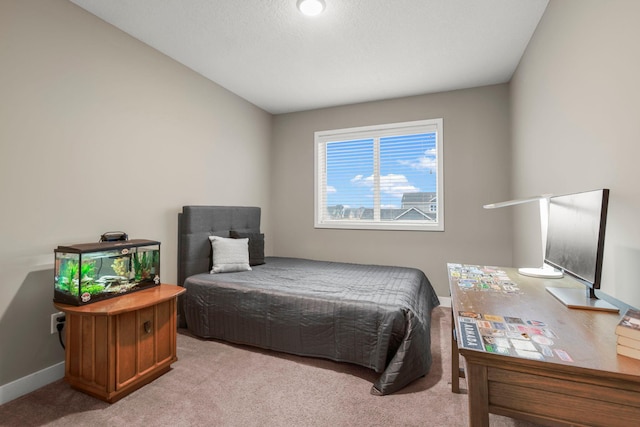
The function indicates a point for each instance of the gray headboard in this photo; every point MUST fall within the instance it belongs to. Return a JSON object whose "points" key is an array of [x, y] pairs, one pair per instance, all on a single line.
{"points": [[197, 223]]}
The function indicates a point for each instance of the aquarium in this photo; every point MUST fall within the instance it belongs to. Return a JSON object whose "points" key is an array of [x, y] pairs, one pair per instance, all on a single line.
{"points": [[90, 272]]}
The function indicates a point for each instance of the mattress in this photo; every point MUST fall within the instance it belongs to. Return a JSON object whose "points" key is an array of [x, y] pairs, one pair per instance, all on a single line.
{"points": [[371, 315]]}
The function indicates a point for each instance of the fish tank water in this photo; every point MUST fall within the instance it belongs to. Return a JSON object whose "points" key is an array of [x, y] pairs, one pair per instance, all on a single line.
{"points": [[90, 272]]}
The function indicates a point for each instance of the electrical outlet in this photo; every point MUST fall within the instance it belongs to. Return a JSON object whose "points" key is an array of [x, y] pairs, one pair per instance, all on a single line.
{"points": [[54, 321]]}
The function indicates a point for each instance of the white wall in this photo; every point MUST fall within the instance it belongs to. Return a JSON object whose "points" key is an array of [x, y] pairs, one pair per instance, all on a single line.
{"points": [[476, 172], [576, 125], [99, 132]]}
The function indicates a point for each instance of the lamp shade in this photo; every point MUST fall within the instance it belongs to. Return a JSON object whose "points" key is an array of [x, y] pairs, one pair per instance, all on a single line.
{"points": [[544, 271]]}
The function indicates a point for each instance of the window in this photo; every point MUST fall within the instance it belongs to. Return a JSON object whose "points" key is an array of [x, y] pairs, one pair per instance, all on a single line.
{"points": [[380, 177]]}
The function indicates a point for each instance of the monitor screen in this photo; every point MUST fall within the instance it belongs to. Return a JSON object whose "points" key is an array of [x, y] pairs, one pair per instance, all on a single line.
{"points": [[575, 235]]}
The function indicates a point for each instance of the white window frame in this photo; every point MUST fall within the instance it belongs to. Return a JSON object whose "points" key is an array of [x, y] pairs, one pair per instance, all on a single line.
{"points": [[321, 138]]}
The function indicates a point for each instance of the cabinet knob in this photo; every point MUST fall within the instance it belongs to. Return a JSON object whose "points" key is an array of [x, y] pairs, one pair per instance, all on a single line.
{"points": [[147, 326]]}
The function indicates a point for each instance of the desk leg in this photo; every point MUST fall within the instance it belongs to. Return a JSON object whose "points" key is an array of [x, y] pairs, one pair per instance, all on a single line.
{"points": [[455, 359], [478, 391]]}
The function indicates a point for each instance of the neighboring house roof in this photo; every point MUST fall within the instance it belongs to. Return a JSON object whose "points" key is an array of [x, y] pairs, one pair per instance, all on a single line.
{"points": [[388, 214], [415, 206], [414, 214], [419, 198]]}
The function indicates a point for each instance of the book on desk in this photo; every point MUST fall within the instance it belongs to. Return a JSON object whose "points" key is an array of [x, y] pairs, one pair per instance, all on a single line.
{"points": [[628, 332]]}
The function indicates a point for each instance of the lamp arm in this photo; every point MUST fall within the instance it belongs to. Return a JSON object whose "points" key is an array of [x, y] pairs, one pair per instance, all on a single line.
{"points": [[543, 201], [517, 201]]}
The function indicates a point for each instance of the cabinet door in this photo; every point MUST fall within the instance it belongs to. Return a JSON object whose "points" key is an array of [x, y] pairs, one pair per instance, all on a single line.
{"points": [[146, 339], [146, 330], [135, 351], [87, 354], [165, 332], [126, 348]]}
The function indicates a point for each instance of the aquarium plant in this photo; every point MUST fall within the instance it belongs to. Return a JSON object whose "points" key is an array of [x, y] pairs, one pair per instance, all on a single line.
{"points": [[68, 278], [144, 264], [121, 267]]}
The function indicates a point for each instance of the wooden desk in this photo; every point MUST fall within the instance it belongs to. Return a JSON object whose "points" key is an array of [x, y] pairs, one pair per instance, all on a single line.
{"points": [[116, 346], [595, 387]]}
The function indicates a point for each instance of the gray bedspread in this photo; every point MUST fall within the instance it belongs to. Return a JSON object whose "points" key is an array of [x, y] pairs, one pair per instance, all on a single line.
{"points": [[375, 316]]}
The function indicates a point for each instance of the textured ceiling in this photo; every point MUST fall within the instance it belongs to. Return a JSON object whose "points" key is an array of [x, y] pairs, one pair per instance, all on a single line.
{"points": [[270, 54]]}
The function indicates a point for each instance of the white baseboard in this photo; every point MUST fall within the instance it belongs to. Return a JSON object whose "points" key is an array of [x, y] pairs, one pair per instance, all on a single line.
{"points": [[31, 382], [445, 301]]}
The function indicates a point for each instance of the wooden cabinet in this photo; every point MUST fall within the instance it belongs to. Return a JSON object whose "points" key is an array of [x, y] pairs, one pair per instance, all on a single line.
{"points": [[116, 346]]}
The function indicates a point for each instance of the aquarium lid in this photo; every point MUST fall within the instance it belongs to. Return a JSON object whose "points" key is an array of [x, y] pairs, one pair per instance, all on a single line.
{"points": [[106, 246]]}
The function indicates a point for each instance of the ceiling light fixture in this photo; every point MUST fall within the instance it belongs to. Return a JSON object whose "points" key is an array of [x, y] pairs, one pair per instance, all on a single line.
{"points": [[311, 7]]}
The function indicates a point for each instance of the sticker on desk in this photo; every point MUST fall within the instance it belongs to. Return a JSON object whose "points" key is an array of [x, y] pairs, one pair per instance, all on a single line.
{"points": [[546, 350], [542, 340], [502, 342], [563, 355], [536, 323], [497, 349], [509, 335], [529, 330], [482, 279], [470, 336], [523, 345], [484, 324], [491, 343], [499, 325], [470, 314], [530, 354], [467, 283], [515, 335], [488, 285], [489, 332]]}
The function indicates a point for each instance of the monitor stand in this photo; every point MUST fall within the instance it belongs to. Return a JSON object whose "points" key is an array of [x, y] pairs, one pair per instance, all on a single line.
{"points": [[578, 298], [545, 272]]}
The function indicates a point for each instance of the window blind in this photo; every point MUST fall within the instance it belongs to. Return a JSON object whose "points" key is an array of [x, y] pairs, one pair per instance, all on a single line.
{"points": [[387, 176]]}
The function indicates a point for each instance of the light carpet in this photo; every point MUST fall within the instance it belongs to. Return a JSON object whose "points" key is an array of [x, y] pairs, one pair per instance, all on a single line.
{"points": [[219, 384]]}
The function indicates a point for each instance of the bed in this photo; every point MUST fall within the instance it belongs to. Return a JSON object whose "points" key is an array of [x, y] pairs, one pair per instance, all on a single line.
{"points": [[370, 315]]}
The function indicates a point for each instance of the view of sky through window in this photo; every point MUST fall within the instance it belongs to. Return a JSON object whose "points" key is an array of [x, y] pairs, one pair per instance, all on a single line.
{"points": [[408, 164]]}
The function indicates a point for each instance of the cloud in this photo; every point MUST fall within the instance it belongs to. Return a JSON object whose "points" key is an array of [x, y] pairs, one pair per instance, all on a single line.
{"points": [[331, 189], [357, 180], [392, 184], [396, 185], [361, 181], [429, 160]]}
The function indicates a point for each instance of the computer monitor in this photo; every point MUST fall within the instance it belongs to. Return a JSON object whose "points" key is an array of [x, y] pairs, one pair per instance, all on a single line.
{"points": [[575, 245]]}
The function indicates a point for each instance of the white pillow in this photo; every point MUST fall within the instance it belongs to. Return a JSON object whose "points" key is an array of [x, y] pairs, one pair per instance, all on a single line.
{"points": [[229, 255]]}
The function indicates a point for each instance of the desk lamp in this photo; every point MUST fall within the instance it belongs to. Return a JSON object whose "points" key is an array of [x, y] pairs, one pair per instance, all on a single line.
{"points": [[546, 271]]}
